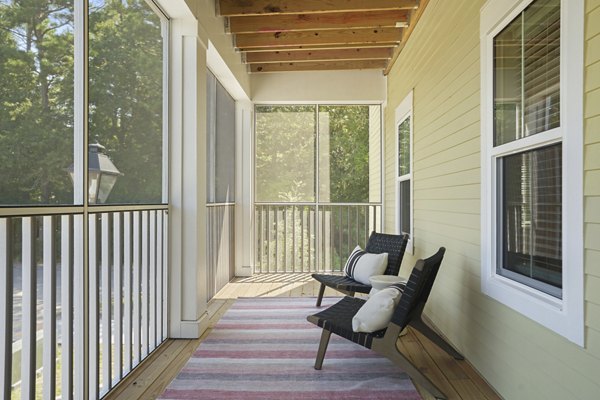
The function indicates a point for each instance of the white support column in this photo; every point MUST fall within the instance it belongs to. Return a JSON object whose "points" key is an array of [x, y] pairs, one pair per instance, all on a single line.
{"points": [[244, 208], [187, 282]]}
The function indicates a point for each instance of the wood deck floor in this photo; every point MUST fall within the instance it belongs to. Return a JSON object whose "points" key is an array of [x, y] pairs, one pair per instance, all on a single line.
{"points": [[455, 378]]}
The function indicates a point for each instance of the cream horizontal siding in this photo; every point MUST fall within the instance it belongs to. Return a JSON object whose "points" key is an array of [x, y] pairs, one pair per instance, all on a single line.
{"points": [[520, 358], [592, 177]]}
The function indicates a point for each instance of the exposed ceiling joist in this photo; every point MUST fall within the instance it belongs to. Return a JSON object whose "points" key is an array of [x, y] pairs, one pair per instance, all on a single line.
{"points": [[305, 35], [331, 46], [230, 8], [331, 37], [282, 56], [316, 65], [303, 22]]}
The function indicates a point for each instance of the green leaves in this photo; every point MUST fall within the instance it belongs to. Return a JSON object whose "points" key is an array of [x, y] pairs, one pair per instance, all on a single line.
{"points": [[37, 98]]}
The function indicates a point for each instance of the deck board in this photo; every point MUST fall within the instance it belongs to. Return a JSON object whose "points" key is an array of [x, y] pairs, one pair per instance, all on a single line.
{"points": [[457, 379]]}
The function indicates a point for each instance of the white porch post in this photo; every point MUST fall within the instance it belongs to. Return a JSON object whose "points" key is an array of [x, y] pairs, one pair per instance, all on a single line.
{"points": [[244, 208], [187, 285]]}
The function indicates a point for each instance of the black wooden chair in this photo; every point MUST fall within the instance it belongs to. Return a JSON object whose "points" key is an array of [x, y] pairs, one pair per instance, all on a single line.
{"points": [[338, 319], [378, 243]]}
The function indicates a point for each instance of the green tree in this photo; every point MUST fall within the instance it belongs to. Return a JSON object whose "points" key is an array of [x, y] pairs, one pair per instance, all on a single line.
{"points": [[126, 76], [36, 44], [37, 98]]}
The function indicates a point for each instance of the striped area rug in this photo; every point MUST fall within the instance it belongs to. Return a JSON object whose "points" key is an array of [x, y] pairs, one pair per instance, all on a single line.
{"points": [[264, 349]]}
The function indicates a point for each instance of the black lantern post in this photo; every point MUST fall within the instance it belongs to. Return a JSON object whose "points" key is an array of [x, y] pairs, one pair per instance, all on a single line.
{"points": [[102, 174]]}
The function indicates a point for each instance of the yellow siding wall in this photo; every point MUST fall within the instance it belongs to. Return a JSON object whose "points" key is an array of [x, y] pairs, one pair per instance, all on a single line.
{"points": [[441, 62]]}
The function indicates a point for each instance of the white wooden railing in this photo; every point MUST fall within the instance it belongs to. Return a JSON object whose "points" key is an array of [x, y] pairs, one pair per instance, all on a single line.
{"points": [[76, 328], [305, 237]]}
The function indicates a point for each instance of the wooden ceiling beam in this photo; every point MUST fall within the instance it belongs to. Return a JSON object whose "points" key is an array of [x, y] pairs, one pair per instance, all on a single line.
{"points": [[230, 8], [328, 37], [317, 66], [302, 22], [283, 56], [331, 46]]}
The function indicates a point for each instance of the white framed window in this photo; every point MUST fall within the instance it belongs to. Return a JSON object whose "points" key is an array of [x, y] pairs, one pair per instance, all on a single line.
{"points": [[532, 138], [404, 170]]}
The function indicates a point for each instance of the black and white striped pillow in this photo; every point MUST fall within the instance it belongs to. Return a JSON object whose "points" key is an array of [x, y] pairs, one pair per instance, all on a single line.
{"points": [[362, 265]]}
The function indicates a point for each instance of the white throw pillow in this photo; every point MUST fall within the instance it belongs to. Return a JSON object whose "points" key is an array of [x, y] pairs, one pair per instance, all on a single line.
{"points": [[377, 311], [362, 265]]}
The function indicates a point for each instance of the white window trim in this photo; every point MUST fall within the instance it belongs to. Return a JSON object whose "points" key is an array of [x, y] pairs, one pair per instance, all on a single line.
{"points": [[404, 111], [566, 316]]}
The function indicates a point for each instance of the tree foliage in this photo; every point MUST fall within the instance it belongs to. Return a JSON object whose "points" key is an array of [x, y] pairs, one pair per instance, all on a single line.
{"points": [[286, 153], [37, 105]]}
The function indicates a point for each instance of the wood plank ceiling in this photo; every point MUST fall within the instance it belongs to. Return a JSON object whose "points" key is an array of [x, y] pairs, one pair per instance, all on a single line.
{"points": [[310, 35]]}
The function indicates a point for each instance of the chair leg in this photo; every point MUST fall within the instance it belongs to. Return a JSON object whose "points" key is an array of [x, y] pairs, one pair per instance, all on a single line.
{"points": [[399, 359], [321, 292], [432, 335], [322, 348]]}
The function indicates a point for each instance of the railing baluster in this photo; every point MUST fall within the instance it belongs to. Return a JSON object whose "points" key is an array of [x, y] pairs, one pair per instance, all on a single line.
{"points": [[106, 303], [269, 229], [165, 282], [80, 311], [93, 301], [285, 239], [66, 305], [356, 221], [263, 243], [152, 257], [159, 277], [317, 238], [49, 296], [302, 238], [294, 238], [276, 239], [127, 292], [6, 307], [28, 334], [145, 297], [136, 344], [117, 297]]}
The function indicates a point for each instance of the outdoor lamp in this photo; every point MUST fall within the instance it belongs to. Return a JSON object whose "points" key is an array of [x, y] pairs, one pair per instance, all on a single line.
{"points": [[102, 174]]}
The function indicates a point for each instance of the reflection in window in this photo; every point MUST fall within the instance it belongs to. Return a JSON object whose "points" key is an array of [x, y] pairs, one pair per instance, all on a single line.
{"points": [[527, 73], [36, 102], [126, 95], [532, 215], [404, 176]]}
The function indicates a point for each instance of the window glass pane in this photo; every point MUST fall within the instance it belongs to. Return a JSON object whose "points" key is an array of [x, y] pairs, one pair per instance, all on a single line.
{"points": [[224, 146], [36, 102], [126, 97], [346, 135], [507, 83], [404, 194], [541, 67], [531, 216], [285, 153], [527, 73], [404, 147]]}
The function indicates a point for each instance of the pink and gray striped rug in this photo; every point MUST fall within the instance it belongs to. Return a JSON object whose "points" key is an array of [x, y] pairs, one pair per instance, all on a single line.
{"points": [[264, 349]]}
